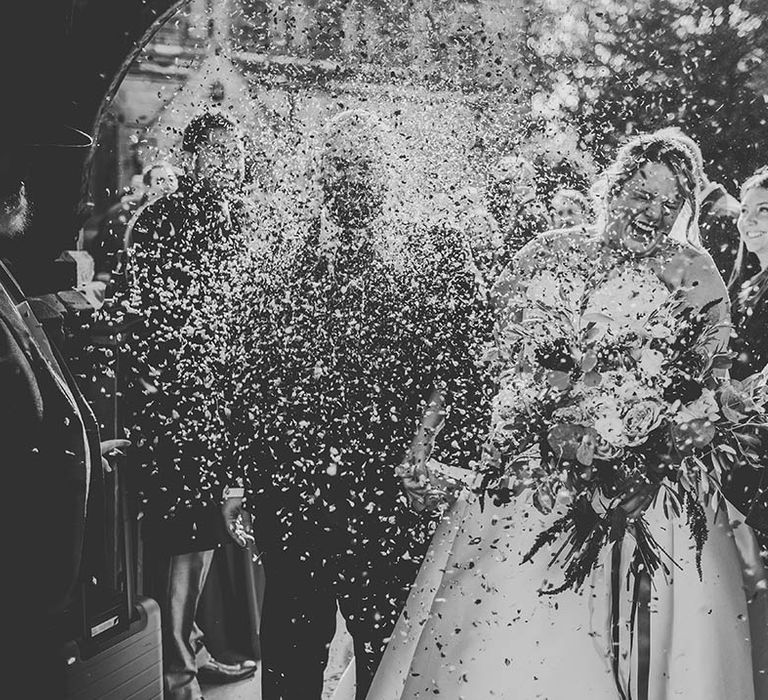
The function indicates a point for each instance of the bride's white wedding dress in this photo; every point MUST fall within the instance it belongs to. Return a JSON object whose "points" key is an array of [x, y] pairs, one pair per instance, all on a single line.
{"points": [[475, 625]]}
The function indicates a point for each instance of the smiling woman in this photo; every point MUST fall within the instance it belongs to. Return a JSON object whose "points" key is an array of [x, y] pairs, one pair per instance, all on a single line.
{"points": [[580, 323], [753, 222], [645, 191], [646, 210], [748, 488], [748, 290]]}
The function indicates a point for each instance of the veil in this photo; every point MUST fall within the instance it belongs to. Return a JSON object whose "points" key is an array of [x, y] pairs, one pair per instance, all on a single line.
{"points": [[686, 231]]}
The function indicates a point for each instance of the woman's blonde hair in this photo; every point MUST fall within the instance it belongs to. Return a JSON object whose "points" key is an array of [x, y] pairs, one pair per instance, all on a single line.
{"points": [[758, 179]]}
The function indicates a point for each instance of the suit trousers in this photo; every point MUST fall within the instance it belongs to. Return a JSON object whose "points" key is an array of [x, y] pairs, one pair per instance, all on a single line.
{"points": [[181, 579], [299, 620]]}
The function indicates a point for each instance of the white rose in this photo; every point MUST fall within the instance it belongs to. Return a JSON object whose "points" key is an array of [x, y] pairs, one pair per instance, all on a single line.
{"points": [[660, 331], [611, 429], [641, 418], [629, 390], [704, 407]]}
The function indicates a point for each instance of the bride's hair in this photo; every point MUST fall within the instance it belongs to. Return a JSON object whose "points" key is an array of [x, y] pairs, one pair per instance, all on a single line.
{"points": [[677, 134], [660, 147], [758, 179]]}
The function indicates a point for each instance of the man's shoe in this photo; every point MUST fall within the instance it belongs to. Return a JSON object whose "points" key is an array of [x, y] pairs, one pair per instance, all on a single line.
{"points": [[216, 673]]}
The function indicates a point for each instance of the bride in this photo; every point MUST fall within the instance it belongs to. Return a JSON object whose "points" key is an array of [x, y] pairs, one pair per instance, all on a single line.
{"points": [[477, 623]]}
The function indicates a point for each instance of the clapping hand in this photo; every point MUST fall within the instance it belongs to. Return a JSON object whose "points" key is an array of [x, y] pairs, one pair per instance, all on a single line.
{"points": [[235, 520], [112, 448]]}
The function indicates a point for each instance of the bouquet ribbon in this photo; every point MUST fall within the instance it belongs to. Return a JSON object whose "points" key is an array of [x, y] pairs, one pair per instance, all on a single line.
{"points": [[640, 618]]}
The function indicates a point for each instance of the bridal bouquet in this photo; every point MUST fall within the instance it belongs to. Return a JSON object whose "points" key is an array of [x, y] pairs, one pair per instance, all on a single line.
{"points": [[603, 421]]}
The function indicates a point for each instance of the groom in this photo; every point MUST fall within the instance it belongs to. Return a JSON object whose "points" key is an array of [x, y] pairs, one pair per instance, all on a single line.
{"points": [[354, 342]]}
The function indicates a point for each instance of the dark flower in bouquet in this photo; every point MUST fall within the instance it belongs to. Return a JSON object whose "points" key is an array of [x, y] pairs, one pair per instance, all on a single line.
{"points": [[682, 387], [556, 355]]}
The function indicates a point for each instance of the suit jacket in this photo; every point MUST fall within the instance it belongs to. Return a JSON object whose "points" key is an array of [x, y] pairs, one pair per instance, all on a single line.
{"points": [[49, 450], [340, 347], [183, 245]]}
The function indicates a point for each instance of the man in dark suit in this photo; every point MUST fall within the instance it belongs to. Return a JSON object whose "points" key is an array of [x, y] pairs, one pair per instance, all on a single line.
{"points": [[49, 445], [348, 342], [183, 244]]}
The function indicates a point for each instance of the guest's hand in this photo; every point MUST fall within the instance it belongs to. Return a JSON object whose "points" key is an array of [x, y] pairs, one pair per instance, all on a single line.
{"points": [[234, 520], [112, 448]]}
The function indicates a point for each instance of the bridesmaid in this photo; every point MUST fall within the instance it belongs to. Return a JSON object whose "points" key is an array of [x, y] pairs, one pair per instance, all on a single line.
{"points": [[749, 298], [749, 280], [748, 489]]}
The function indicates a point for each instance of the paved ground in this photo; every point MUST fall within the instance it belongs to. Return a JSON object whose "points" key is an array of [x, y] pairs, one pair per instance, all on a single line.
{"points": [[340, 654]]}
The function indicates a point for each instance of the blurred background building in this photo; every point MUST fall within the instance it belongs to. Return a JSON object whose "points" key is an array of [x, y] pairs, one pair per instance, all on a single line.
{"points": [[446, 75]]}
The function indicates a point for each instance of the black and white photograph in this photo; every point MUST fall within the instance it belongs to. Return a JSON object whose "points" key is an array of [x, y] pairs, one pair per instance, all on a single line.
{"points": [[384, 349]]}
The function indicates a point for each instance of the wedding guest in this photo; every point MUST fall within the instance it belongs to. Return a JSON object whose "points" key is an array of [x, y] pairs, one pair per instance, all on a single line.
{"points": [[183, 245], [107, 242], [569, 208], [157, 180], [347, 344], [515, 205], [750, 340], [747, 289], [50, 450]]}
